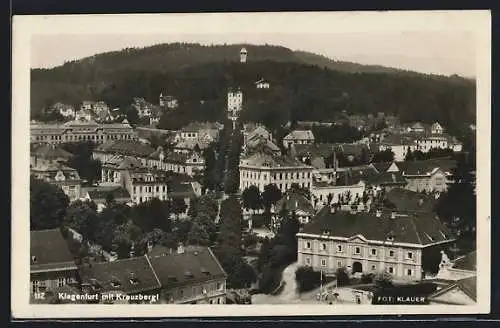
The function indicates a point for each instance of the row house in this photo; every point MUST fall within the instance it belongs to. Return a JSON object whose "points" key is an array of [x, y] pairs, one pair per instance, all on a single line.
{"points": [[428, 175], [191, 163], [168, 101], [371, 242], [296, 203], [60, 175], [141, 183], [67, 111], [80, 130], [52, 266], [300, 137], [261, 169], [191, 276]]}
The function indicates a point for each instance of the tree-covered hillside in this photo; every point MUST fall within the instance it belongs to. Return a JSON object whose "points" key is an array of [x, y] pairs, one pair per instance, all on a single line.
{"points": [[200, 75]]}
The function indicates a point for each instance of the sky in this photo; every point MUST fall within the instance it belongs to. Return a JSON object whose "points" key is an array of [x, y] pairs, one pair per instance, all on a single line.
{"points": [[443, 51]]}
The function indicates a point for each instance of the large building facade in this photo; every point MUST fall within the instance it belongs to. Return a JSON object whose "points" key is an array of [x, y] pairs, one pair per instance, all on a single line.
{"points": [[370, 242], [80, 130], [261, 169]]}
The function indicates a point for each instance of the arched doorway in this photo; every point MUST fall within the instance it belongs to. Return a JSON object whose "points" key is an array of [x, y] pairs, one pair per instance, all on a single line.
{"points": [[357, 267]]}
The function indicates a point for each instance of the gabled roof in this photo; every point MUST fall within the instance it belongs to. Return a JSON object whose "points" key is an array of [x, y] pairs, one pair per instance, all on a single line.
{"points": [[467, 262], [318, 149], [49, 251], [426, 166], [192, 266], [300, 135], [468, 286], [418, 228], [126, 147], [410, 201], [178, 189], [103, 191], [130, 276], [382, 167]]}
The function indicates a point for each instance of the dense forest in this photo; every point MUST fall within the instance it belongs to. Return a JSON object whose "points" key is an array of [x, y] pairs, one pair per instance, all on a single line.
{"points": [[303, 86]]}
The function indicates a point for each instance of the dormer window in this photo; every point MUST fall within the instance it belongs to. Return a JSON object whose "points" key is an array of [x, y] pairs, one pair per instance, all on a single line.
{"points": [[134, 280], [34, 259], [390, 238]]}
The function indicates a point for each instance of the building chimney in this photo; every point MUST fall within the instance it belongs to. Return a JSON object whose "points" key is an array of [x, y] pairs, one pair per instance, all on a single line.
{"points": [[393, 215], [420, 202], [332, 208], [132, 251], [378, 213], [296, 204]]}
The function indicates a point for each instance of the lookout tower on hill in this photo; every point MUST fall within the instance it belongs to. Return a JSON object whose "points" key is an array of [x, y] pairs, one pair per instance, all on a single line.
{"points": [[243, 55]]}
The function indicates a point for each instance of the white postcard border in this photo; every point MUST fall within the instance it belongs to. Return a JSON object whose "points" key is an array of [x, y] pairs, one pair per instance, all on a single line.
{"points": [[26, 26]]}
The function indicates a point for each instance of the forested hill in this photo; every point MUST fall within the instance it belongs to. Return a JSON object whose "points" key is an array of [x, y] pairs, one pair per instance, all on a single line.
{"points": [[303, 86]]}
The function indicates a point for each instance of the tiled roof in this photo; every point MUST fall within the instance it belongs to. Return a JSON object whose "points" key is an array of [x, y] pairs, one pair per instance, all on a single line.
{"points": [[121, 162], [190, 267], [410, 201], [383, 179], [419, 228], [426, 166], [49, 250], [467, 262], [319, 149], [382, 167], [263, 159], [81, 122], [126, 147], [300, 135], [130, 276], [196, 126], [398, 139], [104, 191], [467, 285], [48, 151], [351, 149]]}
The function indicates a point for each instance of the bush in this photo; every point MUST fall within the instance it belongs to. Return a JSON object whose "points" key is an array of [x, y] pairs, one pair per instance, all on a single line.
{"points": [[342, 277], [383, 280], [367, 278], [270, 279], [307, 279]]}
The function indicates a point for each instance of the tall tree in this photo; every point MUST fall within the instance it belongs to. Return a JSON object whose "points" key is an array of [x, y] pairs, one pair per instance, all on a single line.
{"points": [[198, 235], [252, 198], [48, 204], [271, 195], [81, 217], [383, 156]]}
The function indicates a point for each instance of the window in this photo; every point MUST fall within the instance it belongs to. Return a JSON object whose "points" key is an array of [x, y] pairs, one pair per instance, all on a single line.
{"points": [[323, 262], [308, 245], [181, 293], [61, 282], [374, 251], [410, 255], [323, 247], [391, 270], [219, 286], [391, 253], [374, 267], [409, 272], [34, 286], [357, 250], [339, 264], [339, 248]]}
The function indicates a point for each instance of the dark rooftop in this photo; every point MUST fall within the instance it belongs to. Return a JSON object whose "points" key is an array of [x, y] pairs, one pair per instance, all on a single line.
{"points": [[426, 166], [49, 250], [192, 266], [419, 228], [410, 201]]}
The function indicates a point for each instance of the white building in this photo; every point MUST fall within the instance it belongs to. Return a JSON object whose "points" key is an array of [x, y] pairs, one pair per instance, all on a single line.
{"points": [[243, 55], [370, 242], [261, 169], [436, 128], [234, 100], [262, 84]]}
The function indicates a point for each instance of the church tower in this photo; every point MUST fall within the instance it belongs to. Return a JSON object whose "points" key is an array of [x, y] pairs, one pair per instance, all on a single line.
{"points": [[243, 55]]}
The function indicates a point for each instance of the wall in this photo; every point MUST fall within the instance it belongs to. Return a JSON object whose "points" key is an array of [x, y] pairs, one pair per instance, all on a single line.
{"points": [[330, 259]]}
